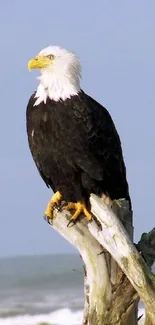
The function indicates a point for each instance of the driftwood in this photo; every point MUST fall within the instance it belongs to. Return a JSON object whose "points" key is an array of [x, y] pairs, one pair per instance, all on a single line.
{"points": [[117, 272]]}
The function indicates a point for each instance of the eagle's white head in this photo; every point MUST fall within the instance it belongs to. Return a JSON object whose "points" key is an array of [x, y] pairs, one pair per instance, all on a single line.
{"points": [[60, 74]]}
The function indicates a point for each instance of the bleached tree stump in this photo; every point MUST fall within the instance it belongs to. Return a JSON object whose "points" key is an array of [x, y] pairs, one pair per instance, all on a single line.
{"points": [[116, 275]]}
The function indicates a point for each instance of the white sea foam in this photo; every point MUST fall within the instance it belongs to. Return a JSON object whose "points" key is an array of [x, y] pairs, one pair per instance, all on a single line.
{"points": [[58, 317]]}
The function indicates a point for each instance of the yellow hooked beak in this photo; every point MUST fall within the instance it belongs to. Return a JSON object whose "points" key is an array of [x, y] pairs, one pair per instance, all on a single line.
{"points": [[39, 62]]}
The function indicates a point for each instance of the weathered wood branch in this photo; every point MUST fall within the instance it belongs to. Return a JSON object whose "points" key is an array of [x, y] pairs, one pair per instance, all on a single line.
{"points": [[146, 245], [96, 285], [110, 298], [112, 235]]}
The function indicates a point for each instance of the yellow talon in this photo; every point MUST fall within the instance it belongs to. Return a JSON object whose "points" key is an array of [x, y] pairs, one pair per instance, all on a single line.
{"points": [[79, 208], [55, 200]]}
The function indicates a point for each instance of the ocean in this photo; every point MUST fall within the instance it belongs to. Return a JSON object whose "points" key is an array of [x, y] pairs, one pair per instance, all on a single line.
{"points": [[35, 289]]}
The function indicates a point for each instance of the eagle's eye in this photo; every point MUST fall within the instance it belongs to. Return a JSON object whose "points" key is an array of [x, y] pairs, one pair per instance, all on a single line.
{"points": [[50, 56]]}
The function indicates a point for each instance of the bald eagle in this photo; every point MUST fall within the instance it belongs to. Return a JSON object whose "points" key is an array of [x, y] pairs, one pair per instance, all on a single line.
{"points": [[72, 138]]}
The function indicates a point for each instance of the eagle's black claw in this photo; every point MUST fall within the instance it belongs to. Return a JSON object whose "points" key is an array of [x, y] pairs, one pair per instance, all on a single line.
{"points": [[71, 221], [47, 219]]}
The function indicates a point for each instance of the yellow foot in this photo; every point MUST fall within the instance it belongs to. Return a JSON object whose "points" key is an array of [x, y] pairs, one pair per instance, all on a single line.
{"points": [[107, 200], [79, 208], [55, 200]]}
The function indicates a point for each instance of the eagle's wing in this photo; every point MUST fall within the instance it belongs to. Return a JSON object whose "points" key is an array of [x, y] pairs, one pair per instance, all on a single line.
{"points": [[98, 148]]}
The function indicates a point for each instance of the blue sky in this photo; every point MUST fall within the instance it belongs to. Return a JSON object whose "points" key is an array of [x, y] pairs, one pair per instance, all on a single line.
{"points": [[115, 43]]}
